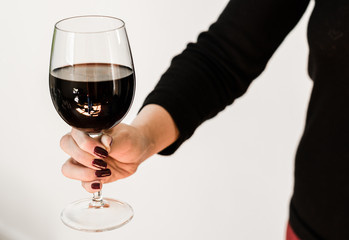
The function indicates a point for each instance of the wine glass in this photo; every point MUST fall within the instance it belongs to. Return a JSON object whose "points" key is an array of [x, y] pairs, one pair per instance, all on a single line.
{"points": [[92, 85]]}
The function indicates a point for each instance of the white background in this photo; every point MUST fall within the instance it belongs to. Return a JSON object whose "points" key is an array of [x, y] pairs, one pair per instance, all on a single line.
{"points": [[232, 180]]}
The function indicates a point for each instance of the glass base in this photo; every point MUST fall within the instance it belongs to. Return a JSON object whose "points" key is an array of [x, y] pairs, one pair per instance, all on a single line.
{"points": [[84, 215]]}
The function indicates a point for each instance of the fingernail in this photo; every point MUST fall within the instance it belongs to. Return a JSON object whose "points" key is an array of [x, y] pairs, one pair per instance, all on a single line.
{"points": [[100, 152], [103, 173], [96, 186], [99, 163]]}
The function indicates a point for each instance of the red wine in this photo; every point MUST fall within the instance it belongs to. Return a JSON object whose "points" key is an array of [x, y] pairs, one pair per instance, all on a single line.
{"points": [[92, 96]]}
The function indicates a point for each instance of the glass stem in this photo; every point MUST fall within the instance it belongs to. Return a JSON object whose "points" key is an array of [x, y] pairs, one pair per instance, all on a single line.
{"points": [[97, 200], [97, 196]]}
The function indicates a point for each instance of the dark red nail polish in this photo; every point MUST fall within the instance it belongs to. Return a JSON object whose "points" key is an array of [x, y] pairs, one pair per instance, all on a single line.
{"points": [[100, 152], [99, 163], [96, 185], [103, 173]]}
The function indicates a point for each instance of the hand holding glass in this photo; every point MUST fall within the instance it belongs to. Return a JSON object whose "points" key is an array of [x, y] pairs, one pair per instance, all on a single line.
{"points": [[92, 86]]}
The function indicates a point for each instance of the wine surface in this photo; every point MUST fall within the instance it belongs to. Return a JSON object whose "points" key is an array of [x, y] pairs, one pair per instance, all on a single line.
{"points": [[92, 96]]}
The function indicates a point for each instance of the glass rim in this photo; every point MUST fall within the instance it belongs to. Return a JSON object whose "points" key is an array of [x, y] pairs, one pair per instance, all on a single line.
{"points": [[122, 25]]}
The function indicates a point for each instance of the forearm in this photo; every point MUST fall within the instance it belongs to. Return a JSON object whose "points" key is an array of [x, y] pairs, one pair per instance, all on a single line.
{"points": [[210, 74], [157, 126]]}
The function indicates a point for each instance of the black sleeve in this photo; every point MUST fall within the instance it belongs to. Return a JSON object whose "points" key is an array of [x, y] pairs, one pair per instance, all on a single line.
{"points": [[208, 75]]}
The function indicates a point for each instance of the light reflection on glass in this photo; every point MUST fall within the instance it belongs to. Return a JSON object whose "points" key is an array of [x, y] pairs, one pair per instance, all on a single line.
{"points": [[88, 110]]}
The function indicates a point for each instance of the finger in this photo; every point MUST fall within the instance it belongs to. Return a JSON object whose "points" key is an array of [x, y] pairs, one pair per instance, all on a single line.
{"points": [[71, 148], [106, 140], [74, 170], [92, 187], [88, 144]]}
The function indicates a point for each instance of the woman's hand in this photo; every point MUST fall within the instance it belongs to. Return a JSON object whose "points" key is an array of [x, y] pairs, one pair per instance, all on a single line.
{"points": [[114, 156], [118, 153]]}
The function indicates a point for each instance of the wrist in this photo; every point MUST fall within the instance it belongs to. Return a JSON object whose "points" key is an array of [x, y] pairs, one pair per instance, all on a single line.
{"points": [[147, 139], [157, 127]]}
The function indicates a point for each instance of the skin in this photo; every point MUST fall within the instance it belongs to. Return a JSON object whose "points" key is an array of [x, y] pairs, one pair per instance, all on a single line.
{"points": [[128, 146]]}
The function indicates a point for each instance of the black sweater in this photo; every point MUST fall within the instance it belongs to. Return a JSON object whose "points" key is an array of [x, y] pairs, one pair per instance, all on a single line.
{"points": [[208, 75]]}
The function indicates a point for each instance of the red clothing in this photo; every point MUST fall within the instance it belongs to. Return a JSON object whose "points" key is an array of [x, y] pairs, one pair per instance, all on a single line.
{"points": [[290, 235]]}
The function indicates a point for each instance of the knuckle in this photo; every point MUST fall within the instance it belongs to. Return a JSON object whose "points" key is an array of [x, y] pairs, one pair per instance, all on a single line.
{"points": [[79, 156], [64, 170], [87, 175], [62, 142], [85, 145]]}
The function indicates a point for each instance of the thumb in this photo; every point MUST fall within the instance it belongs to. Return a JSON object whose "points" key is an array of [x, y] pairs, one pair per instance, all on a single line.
{"points": [[107, 141]]}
